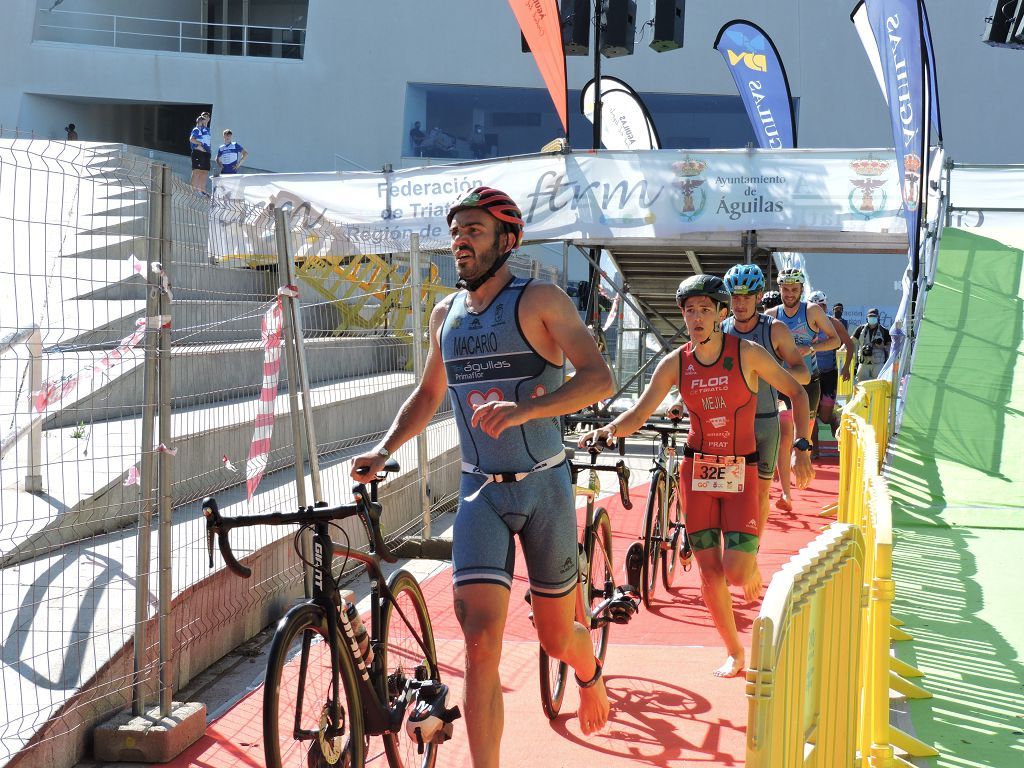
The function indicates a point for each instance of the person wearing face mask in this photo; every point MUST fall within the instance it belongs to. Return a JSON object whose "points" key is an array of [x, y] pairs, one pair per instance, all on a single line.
{"points": [[873, 345]]}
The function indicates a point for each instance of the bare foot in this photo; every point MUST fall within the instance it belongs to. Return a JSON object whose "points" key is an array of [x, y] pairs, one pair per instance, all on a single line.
{"points": [[754, 587], [594, 708], [733, 665], [784, 504]]}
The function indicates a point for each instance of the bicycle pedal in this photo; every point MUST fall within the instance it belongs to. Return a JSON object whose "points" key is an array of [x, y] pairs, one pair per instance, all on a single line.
{"points": [[624, 604]]}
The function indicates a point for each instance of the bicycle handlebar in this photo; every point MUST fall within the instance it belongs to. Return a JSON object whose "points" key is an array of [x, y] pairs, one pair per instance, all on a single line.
{"points": [[665, 428], [365, 506]]}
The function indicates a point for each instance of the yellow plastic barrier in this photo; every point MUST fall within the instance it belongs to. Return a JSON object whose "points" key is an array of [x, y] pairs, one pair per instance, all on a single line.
{"points": [[803, 681], [789, 723], [844, 389]]}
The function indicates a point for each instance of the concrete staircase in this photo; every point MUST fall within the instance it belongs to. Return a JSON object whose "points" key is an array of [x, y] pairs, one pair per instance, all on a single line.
{"points": [[92, 439]]}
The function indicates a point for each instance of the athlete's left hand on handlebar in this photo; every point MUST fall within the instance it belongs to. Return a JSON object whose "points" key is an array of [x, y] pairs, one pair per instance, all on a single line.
{"points": [[602, 436], [802, 469], [495, 417]]}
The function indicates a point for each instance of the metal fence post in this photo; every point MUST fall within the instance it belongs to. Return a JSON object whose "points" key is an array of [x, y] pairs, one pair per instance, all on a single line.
{"points": [[34, 477], [294, 377], [416, 299], [166, 471], [148, 414], [285, 257]]}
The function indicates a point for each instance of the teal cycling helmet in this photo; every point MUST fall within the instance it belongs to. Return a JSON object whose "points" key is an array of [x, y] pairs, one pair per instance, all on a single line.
{"points": [[702, 285], [744, 279], [791, 275]]}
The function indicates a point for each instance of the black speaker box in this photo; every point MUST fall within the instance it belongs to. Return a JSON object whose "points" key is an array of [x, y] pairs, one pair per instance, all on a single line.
{"points": [[668, 25], [619, 31], [576, 26]]}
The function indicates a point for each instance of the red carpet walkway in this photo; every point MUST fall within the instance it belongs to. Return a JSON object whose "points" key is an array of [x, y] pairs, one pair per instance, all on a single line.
{"points": [[667, 708]]}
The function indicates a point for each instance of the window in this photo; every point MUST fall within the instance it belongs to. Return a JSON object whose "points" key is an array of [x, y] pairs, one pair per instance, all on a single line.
{"points": [[522, 120]]}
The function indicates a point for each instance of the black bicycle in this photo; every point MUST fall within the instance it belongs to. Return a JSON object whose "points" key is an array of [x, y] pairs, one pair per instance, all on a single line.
{"points": [[325, 693], [599, 603], [664, 537]]}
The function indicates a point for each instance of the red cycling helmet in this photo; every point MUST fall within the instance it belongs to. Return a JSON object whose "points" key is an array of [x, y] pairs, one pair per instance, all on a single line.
{"points": [[495, 202]]}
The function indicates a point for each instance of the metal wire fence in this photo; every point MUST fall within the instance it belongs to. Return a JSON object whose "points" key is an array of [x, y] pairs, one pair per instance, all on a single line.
{"points": [[137, 340]]}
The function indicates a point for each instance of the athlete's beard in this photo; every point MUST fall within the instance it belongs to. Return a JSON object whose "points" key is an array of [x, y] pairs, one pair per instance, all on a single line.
{"points": [[483, 263], [748, 318], [789, 304]]}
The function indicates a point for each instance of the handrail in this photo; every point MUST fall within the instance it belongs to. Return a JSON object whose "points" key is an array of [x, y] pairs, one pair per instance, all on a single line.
{"points": [[114, 20], [33, 339]]}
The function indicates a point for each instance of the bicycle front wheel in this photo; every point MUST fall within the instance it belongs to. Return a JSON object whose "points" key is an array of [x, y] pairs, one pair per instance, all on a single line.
{"points": [[599, 583], [553, 676], [674, 534], [303, 723], [406, 643], [652, 538]]}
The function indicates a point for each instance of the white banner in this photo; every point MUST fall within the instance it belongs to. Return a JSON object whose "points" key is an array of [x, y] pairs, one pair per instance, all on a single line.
{"points": [[625, 123], [657, 194]]}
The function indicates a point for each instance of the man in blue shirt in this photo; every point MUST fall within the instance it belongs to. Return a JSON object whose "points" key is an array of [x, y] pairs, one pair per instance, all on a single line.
{"points": [[231, 154], [199, 145]]}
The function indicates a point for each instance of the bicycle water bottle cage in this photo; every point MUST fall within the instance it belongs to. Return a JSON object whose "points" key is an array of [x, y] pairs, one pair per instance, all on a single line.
{"points": [[624, 604], [431, 720]]}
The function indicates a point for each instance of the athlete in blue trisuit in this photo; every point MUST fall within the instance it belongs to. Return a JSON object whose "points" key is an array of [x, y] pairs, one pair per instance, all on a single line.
{"points": [[827, 368], [498, 348], [746, 285], [804, 321]]}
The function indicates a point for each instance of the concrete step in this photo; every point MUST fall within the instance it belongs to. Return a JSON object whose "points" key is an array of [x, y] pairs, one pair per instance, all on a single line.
{"points": [[196, 372], [196, 281], [123, 246], [202, 322], [86, 474]]}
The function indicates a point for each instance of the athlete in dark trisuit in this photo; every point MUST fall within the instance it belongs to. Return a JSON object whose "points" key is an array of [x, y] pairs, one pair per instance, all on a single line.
{"points": [[717, 376], [498, 347]]}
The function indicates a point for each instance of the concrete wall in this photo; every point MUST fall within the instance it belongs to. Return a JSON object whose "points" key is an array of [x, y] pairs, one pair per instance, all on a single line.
{"points": [[349, 94]]}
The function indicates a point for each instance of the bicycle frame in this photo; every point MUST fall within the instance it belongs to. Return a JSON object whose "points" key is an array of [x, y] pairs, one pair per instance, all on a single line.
{"points": [[378, 718], [596, 619]]}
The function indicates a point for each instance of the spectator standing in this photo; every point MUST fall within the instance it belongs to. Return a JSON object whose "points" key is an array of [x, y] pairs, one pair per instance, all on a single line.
{"points": [[873, 344], [230, 154], [416, 137], [478, 143], [199, 143], [71, 132]]}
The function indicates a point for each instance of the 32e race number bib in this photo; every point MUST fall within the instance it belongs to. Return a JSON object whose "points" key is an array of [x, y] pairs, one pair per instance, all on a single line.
{"points": [[721, 474]]}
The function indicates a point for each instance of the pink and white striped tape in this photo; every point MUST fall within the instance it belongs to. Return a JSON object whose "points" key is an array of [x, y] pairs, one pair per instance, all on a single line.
{"points": [[55, 389], [259, 448]]}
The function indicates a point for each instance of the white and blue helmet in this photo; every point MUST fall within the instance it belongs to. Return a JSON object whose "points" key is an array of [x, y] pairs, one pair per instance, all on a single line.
{"points": [[744, 280]]}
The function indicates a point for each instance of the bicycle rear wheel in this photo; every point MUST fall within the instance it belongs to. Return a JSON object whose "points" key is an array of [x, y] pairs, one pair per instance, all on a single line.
{"points": [[404, 647], [298, 698], [673, 533], [652, 538], [599, 583]]}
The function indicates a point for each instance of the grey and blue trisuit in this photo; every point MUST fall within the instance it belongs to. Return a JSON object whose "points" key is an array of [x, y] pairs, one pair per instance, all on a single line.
{"points": [[766, 419], [518, 483], [804, 336]]}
